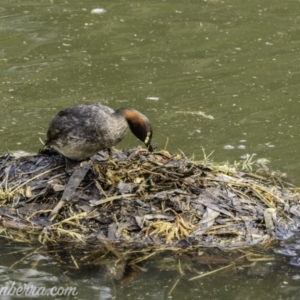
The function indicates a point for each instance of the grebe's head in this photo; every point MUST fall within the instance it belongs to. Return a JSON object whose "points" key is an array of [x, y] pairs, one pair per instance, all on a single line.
{"points": [[140, 126]]}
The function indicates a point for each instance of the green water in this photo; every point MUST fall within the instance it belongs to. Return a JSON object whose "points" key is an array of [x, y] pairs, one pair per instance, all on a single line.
{"points": [[237, 61]]}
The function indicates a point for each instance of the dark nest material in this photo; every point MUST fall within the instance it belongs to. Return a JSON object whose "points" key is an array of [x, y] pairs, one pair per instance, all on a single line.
{"points": [[140, 201]]}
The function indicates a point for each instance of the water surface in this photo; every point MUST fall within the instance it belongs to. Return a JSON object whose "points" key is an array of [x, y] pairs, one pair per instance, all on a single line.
{"points": [[175, 61]]}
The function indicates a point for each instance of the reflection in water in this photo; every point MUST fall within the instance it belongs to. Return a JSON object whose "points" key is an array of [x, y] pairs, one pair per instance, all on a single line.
{"points": [[249, 274], [233, 60]]}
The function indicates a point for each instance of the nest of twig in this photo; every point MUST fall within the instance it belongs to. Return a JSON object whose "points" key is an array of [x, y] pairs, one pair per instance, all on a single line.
{"points": [[142, 200]]}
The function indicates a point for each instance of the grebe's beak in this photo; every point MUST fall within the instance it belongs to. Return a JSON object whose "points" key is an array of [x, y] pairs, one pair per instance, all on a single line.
{"points": [[150, 148]]}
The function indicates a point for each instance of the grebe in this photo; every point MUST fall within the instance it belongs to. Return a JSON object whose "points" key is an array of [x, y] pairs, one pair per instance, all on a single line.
{"points": [[81, 131]]}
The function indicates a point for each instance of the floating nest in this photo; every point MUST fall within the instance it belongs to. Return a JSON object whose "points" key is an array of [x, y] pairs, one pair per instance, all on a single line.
{"points": [[141, 202]]}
